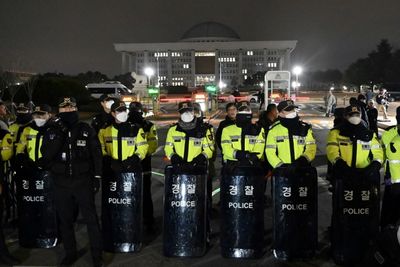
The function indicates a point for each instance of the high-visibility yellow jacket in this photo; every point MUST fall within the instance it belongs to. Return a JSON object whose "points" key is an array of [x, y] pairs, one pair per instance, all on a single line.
{"points": [[279, 142], [392, 166], [16, 130], [393, 158], [6, 148], [188, 146], [339, 146], [120, 141], [233, 139], [30, 142], [151, 138]]}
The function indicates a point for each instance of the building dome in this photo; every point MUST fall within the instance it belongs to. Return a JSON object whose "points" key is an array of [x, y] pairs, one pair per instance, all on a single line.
{"points": [[210, 32]]}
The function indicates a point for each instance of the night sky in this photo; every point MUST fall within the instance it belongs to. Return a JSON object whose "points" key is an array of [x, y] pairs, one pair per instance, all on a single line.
{"points": [[73, 36]]}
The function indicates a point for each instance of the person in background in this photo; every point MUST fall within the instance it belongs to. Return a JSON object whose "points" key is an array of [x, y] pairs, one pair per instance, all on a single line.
{"points": [[4, 120], [372, 116], [330, 103], [362, 103], [381, 100], [103, 119], [135, 116], [230, 118]]}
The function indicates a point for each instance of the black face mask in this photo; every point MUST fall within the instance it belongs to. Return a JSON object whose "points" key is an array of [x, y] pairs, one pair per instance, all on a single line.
{"points": [[243, 119], [69, 118], [23, 118], [136, 117]]}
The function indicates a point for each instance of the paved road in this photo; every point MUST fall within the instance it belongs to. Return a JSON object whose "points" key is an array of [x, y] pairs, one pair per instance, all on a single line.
{"points": [[151, 254]]}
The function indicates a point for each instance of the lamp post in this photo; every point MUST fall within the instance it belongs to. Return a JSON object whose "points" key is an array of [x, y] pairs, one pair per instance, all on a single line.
{"points": [[149, 72], [297, 70]]}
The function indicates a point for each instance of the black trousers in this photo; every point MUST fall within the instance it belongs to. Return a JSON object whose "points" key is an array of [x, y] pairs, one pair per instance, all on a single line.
{"points": [[66, 200], [390, 205], [3, 247], [147, 200]]}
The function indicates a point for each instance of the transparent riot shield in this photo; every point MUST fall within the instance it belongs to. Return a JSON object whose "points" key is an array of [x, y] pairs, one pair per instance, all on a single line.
{"points": [[37, 221], [122, 213], [295, 213], [242, 212], [355, 216], [185, 213]]}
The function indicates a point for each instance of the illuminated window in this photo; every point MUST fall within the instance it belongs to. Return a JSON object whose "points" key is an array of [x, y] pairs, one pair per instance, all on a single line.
{"points": [[185, 66], [249, 53]]}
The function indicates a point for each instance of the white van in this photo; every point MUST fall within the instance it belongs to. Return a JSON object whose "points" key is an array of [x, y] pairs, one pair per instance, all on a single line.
{"points": [[112, 88]]}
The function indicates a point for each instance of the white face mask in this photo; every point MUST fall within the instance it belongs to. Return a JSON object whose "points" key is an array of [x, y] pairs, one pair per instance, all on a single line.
{"points": [[39, 122], [122, 116], [109, 104], [187, 116], [291, 115], [354, 120]]}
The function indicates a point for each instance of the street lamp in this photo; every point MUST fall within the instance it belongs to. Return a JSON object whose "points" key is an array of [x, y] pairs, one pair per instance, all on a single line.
{"points": [[297, 70], [149, 72]]}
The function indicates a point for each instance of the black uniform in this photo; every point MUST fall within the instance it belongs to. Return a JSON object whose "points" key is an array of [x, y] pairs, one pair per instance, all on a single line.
{"points": [[102, 120], [73, 155], [148, 218]]}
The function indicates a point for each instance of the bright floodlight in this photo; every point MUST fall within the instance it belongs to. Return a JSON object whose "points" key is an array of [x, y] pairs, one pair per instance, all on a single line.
{"points": [[221, 84], [297, 70], [149, 71]]}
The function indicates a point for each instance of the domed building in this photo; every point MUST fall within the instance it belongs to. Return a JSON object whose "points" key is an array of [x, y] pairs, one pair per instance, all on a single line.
{"points": [[209, 52]]}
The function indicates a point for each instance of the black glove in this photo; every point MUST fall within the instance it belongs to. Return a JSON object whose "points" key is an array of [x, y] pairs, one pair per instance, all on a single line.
{"points": [[301, 162], [375, 166], [176, 159], [200, 160], [130, 162], [20, 160], [241, 155], [96, 184], [340, 165], [253, 157]]}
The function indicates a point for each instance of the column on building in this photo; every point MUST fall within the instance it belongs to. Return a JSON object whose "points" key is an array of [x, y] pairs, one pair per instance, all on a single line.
{"points": [[146, 61], [193, 67], [265, 59], [123, 62], [169, 68], [240, 67], [131, 62], [217, 67], [285, 60]]}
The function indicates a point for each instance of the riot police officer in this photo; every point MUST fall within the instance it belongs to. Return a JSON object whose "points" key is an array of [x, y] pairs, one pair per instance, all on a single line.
{"points": [[72, 153], [24, 117], [179, 139], [104, 118], [231, 112], [352, 143], [6, 146], [391, 141], [290, 141], [357, 156], [243, 140], [290, 147], [28, 140], [135, 116]]}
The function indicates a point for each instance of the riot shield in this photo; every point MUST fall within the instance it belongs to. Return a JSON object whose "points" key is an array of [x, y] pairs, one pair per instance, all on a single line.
{"points": [[122, 211], [185, 213], [355, 215], [242, 212], [295, 213], [37, 221]]}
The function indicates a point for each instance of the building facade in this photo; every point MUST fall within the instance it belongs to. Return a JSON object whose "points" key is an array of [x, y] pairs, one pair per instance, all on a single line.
{"points": [[209, 52]]}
